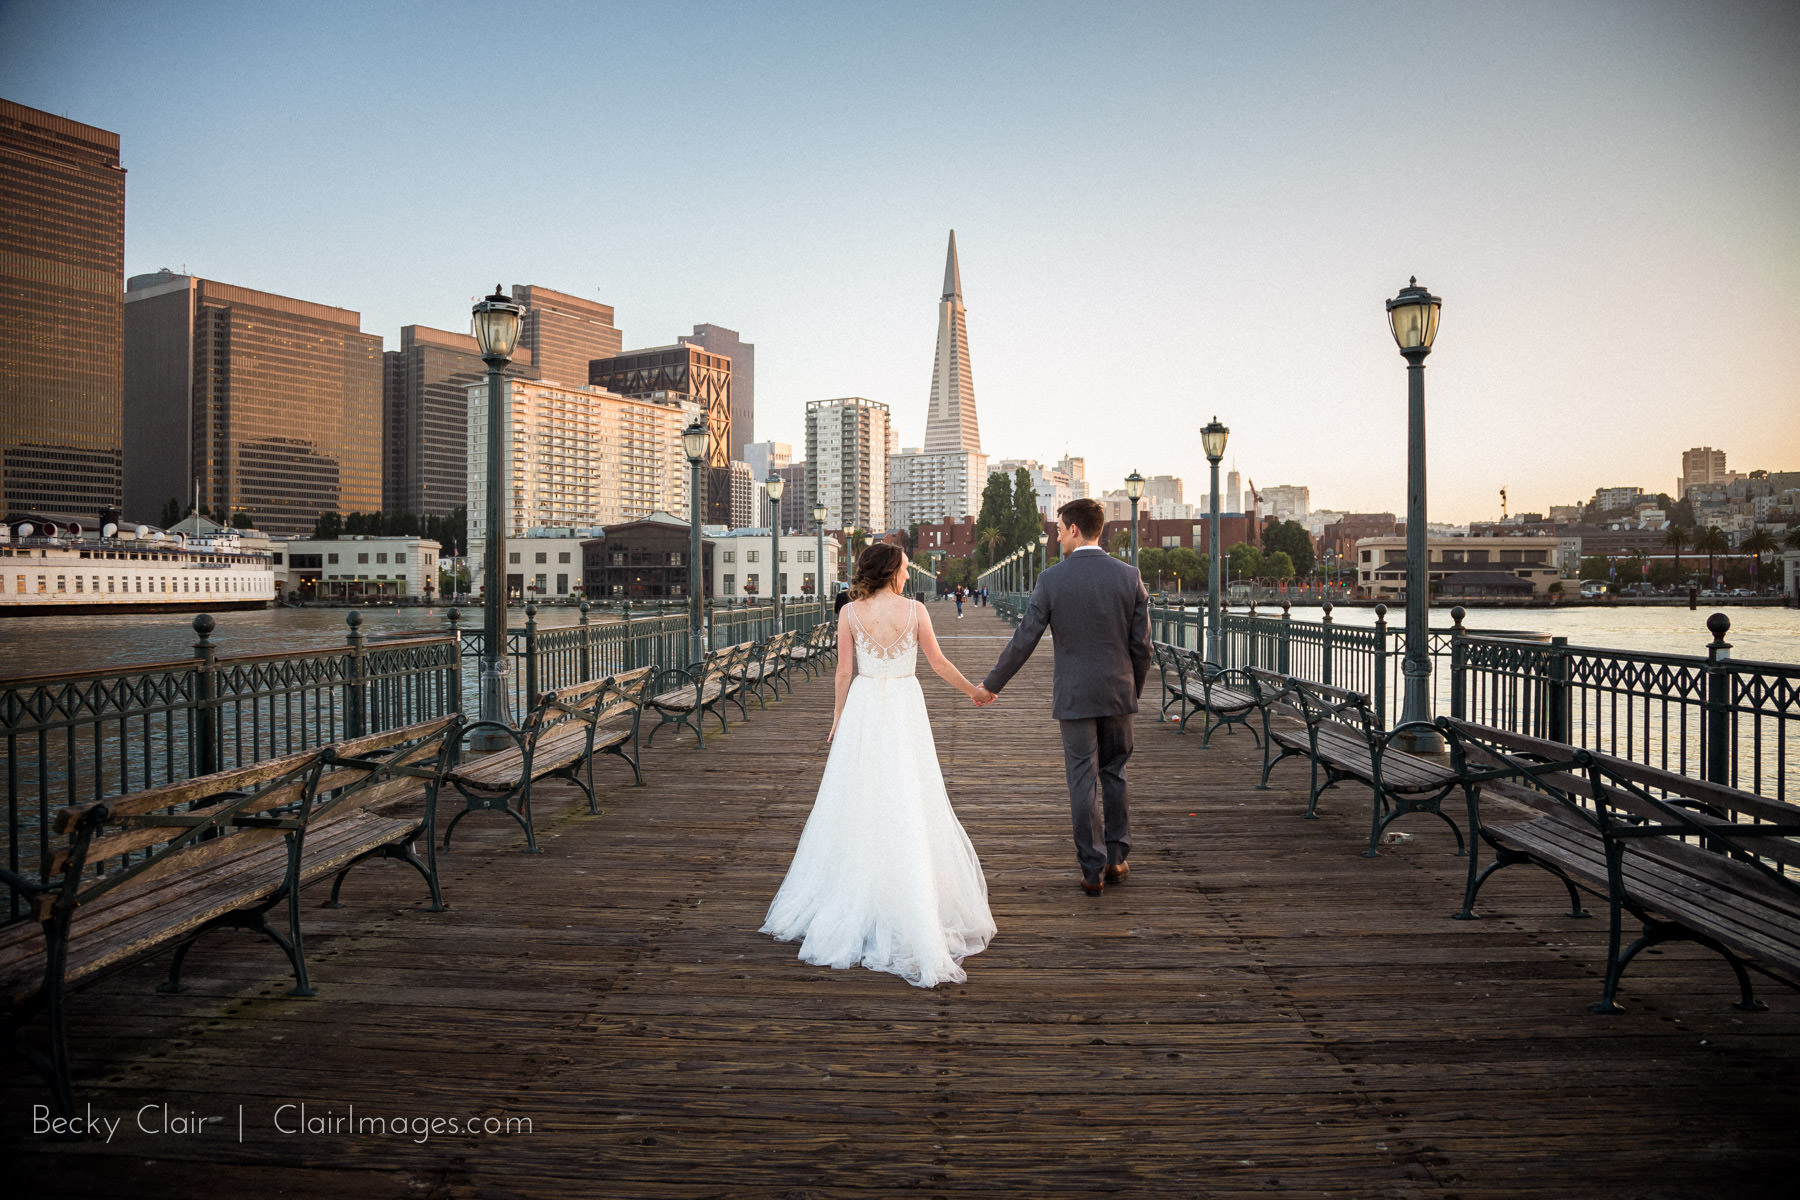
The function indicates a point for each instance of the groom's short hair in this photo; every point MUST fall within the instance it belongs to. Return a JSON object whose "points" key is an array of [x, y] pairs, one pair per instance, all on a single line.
{"points": [[1085, 515]]}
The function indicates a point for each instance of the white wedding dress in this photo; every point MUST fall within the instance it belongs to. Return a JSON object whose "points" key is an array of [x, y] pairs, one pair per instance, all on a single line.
{"points": [[884, 875]]}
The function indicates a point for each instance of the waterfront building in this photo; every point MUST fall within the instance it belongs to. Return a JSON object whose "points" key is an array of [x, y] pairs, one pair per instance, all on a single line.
{"points": [[543, 564], [747, 496], [1338, 540], [359, 567], [564, 333], [1460, 566], [265, 404], [425, 416], [194, 565], [684, 374], [764, 457], [1287, 502], [716, 339], [740, 565], [577, 457], [642, 560], [62, 274], [847, 442]]}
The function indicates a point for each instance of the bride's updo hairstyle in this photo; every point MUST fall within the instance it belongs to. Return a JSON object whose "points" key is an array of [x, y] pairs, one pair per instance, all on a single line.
{"points": [[875, 569]]}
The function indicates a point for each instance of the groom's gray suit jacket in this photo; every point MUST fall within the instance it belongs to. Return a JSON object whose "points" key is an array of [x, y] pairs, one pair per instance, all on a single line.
{"points": [[1098, 613]]}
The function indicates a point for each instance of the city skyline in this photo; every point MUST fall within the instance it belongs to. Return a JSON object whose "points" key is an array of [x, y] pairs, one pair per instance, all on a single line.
{"points": [[1225, 217]]}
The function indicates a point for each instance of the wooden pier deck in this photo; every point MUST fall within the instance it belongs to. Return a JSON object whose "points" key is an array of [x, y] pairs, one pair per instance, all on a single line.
{"points": [[1259, 1010]]}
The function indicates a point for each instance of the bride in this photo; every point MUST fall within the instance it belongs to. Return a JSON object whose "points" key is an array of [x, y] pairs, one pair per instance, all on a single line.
{"points": [[884, 874]]}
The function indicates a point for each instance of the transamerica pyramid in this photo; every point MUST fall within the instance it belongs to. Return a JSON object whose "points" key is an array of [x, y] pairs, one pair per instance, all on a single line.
{"points": [[951, 425]]}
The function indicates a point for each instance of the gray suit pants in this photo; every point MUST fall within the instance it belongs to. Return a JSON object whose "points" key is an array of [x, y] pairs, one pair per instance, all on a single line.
{"points": [[1095, 751]]}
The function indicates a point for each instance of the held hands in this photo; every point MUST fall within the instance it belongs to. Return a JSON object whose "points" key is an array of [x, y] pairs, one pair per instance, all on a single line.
{"points": [[982, 697]]}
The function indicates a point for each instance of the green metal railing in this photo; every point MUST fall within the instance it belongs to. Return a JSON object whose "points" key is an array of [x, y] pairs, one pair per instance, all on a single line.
{"points": [[88, 735], [1705, 716]]}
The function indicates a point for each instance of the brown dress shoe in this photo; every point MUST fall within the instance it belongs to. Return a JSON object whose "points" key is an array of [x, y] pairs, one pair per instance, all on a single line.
{"points": [[1117, 872], [1092, 887]]}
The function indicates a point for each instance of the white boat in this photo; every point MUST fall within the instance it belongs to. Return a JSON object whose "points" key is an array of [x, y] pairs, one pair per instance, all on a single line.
{"points": [[54, 569]]}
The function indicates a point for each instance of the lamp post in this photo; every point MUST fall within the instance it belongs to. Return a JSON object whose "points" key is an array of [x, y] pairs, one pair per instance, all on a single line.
{"points": [[496, 327], [1212, 440], [1413, 318], [1043, 552], [775, 485], [693, 444], [818, 515], [1134, 491]]}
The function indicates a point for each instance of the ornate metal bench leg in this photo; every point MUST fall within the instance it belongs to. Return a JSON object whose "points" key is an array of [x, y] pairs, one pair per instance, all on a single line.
{"points": [[337, 885], [172, 985], [406, 853]]}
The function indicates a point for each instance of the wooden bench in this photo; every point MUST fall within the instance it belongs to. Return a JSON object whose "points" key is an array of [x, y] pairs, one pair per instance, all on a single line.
{"points": [[818, 650], [762, 671], [559, 739], [157, 869], [1224, 696], [1691, 860], [1338, 733], [684, 695]]}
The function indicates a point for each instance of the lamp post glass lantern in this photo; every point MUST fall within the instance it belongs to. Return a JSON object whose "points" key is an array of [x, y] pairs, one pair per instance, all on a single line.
{"points": [[1134, 491], [775, 485], [693, 444], [1212, 439], [1413, 320], [818, 516], [495, 324]]}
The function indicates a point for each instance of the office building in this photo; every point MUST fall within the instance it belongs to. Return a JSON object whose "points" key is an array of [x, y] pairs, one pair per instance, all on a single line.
{"points": [[266, 404], [1232, 500], [564, 333], [684, 374], [748, 499], [741, 565], [1076, 470], [425, 413], [764, 457], [716, 339], [796, 513], [942, 480], [847, 462], [358, 567], [62, 273], [578, 457]]}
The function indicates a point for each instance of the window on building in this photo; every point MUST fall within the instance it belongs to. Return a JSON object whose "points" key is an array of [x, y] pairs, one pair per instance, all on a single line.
{"points": [[331, 558], [363, 557], [400, 557], [675, 558], [540, 582], [78, 583], [512, 556], [562, 585], [750, 584], [380, 558], [730, 584], [562, 556], [751, 556], [278, 554], [730, 556], [1368, 556], [542, 556]]}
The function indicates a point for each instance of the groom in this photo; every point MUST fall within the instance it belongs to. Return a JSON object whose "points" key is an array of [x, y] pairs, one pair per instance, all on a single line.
{"points": [[1098, 614]]}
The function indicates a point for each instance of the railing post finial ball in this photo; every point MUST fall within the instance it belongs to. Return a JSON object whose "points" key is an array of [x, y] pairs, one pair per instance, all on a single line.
{"points": [[1457, 614], [353, 618], [1381, 610], [1719, 624], [1327, 606], [204, 624]]}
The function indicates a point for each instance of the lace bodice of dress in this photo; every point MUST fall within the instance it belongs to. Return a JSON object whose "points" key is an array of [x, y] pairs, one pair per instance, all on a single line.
{"points": [[894, 660]]}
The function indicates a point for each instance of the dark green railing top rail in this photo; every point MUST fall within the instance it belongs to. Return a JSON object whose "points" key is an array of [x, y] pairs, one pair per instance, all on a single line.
{"points": [[1705, 715]]}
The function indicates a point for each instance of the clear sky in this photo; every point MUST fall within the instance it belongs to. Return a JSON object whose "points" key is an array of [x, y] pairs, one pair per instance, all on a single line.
{"points": [[1164, 212]]}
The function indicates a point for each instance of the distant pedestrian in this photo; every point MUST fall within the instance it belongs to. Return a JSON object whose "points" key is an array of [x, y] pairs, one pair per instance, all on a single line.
{"points": [[959, 601]]}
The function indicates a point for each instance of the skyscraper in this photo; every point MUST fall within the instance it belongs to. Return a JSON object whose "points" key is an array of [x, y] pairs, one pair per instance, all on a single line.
{"points": [[847, 462], [62, 274], [564, 333], [682, 373], [270, 405], [425, 415], [716, 339], [943, 479], [1701, 467]]}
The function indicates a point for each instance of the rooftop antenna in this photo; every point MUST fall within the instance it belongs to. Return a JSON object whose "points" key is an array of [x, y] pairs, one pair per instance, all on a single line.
{"points": [[1503, 504]]}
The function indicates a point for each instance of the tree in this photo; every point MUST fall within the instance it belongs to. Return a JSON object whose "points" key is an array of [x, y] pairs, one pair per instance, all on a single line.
{"points": [[1758, 543], [1278, 565], [1676, 537], [242, 520], [329, 525], [1792, 541], [1713, 541], [1153, 563], [1119, 544], [1186, 566], [1596, 566], [993, 525], [1291, 537], [1245, 561], [171, 512], [958, 572], [1027, 522]]}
